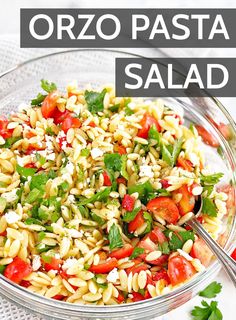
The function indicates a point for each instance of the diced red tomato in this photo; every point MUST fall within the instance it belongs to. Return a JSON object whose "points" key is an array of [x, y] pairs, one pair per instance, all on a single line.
{"points": [[128, 202], [161, 261], [3, 234], [137, 222], [233, 254], [120, 298], [165, 208], [137, 297], [121, 180], [201, 251], [147, 122], [17, 270], [162, 274], [165, 183], [207, 137], [25, 283], [30, 165], [70, 122], [187, 202], [157, 236], [147, 244], [179, 270], [64, 274], [58, 297], [106, 178], [30, 134], [4, 132], [32, 148], [149, 281], [55, 264], [59, 116], [62, 141], [121, 253], [121, 149], [92, 124], [104, 267], [147, 295], [138, 267], [49, 104], [185, 164]]}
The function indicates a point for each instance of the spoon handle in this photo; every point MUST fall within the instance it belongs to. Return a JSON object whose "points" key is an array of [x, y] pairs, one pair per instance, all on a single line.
{"points": [[228, 263]]}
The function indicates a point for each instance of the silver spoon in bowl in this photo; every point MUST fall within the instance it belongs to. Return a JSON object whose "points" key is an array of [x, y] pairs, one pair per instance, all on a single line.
{"points": [[227, 262]]}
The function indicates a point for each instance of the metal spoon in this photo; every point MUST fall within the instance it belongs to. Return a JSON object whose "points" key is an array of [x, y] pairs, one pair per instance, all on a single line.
{"points": [[228, 263]]}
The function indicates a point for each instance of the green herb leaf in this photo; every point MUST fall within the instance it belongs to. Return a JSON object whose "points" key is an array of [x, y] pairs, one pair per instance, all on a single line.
{"points": [[49, 132], [95, 100], [170, 153], [208, 207], [128, 111], [114, 108], [99, 196], [163, 193], [41, 236], [46, 257], [2, 268], [178, 239], [113, 161], [97, 219], [137, 251], [38, 100], [211, 290], [84, 211], [30, 221], [41, 247], [3, 204], [33, 196], [85, 152], [39, 181], [129, 216], [10, 141], [207, 312], [164, 247], [211, 179], [148, 219], [40, 159], [114, 237], [48, 86], [145, 191], [154, 134], [25, 172], [123, 170]]}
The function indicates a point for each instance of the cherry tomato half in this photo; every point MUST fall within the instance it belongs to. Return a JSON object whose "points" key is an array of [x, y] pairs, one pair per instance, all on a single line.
{"points": [[165, 208], [49, 104], [128, 202], [187, 202], [121, 253], [106, 178], [17, 270], [179, 270], [104, 267], [70, 122], [185, 164], [157, 236], [55, 264], [207, 137], [201, 251], [137, 222], [147, 122]]}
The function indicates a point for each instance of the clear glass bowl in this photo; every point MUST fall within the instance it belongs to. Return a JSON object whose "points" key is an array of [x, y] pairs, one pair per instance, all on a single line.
{"points": [[97, 67]]}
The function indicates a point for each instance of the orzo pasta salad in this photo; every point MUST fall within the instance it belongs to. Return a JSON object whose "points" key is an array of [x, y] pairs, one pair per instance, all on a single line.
{"points": [[95, 194]]}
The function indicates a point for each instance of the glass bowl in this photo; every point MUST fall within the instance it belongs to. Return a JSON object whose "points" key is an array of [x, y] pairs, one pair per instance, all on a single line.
{"points": [[97, 67]]}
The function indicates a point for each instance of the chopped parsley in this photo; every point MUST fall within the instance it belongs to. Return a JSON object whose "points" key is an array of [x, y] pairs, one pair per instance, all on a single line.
{"points": [[209, 207], [211, 290], [94, 100], [99, 196], [170, 152], [130, 215], [114, 237], [207, 311], [137, 251], [48, 86]]}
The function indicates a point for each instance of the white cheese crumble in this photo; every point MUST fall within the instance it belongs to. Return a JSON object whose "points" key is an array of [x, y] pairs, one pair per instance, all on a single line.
{"points": [[36, 263], [12, 217], [113, 275], [69, 167], [96, 153], [20, 161], [70, 262], [146, 171]]}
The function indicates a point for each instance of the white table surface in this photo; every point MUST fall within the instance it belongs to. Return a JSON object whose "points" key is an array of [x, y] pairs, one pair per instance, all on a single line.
{"points": [[10, 54]]}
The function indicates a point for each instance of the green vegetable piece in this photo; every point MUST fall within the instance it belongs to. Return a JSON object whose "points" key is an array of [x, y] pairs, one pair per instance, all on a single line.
{"points": [[40, 159], [129, 216], [177, 240], [148, 219], [84, 211], [163, 193], [25, 172], [211, 179], [211, 290], [2, 268], [33, 196], [95, 100], [207, 312], [114, 237], [55, 216], [114, 108], [41, 236], [97, 219], [208, 207], [154, 134], [50, 132], [42, 214], [145, 191], [3, 204], [99, 196], [170, 153], [38, 181], [137, 251], [30, 221], [10, 141], [113, 161], [123, 170], [128, 111], [41, 247], [38, 100], [46, 257], [85, 152], [48, 86], [164, 247]]}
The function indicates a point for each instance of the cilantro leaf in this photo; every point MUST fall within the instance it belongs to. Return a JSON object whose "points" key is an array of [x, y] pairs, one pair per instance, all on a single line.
{"points": [[2, 268], [177, 240], [208, 207], [38, 100], [48, 86], [207, 312], [154, 134], [33, 195], [170, 153], [148, 219], [97, 218], [145, 191], [164, 247], [130, 215], [123, 170], [113, 161], [211, 179], [95, 100], [99, 196], [137, 251], [211, 290], [25, 172], [128, 111], [10, 141], [114, 108], [114, 237], [38, 181]]}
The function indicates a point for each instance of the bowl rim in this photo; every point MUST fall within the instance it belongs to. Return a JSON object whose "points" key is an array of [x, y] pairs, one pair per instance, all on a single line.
{"points": [[129, 307]]}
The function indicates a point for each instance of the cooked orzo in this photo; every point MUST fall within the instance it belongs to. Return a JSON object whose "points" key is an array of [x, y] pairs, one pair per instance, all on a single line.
{"points": [[96, 191]]}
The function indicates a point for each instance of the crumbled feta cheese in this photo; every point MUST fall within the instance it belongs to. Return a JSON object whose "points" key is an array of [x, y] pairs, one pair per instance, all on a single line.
{"points": [[10, 196], [96, 153], [12, 217], [49, 142], [60, 135], [69, 167], [57, 256], [20, 161], [146, 171], [113, 275], [70, 262], [36, 263]]}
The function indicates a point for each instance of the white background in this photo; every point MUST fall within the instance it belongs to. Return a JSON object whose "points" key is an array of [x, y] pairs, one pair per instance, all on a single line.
{"points": [[9, 39]]}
